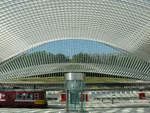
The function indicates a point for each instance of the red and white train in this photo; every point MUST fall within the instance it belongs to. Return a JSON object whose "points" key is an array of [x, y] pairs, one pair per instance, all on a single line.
{"points": [[22, 98], [83, 96]]}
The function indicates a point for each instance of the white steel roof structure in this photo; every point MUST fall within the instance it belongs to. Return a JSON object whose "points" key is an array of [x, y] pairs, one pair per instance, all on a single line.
{"points": [[123, 24]]}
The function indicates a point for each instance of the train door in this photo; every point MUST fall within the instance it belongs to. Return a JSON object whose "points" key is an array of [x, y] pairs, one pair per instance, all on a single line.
{"points": [[142, 96], [36, 96], [86, 97], [10, 97], [63, 97]]}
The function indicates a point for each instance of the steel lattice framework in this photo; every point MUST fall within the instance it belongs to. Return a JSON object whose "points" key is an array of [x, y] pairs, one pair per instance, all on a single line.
{"points": [[123, 24]]}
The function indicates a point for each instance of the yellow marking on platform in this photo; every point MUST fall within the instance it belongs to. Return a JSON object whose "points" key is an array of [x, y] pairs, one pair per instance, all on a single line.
{"points": [[39, 102]]}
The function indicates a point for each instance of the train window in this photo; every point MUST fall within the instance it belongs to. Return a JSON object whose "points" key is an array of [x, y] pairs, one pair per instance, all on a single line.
{"points": [[3, 96], [19, 96], [28, 96], [36, 96], [9, 96]]}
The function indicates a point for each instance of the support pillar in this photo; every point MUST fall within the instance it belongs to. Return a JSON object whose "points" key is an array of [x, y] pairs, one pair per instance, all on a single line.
{"points": [[74, 86]]}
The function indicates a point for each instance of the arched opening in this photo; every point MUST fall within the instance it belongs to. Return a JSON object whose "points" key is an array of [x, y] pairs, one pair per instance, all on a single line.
{"points": [[75, 56]]}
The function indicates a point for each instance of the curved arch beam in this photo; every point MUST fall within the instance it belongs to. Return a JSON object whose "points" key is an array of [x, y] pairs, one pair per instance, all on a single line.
{"points": [[73, 67]]}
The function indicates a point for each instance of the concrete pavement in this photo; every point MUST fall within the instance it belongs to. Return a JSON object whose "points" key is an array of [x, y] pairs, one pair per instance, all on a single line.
{"points": [[97, 110]]}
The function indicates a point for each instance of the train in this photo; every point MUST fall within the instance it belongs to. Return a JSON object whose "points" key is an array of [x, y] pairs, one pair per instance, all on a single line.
{"points": [[61, 97], [83, 96], [23, 98]]}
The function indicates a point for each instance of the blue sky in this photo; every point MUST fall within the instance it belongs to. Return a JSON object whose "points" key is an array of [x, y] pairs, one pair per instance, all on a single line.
{"points": [[71, 47]]}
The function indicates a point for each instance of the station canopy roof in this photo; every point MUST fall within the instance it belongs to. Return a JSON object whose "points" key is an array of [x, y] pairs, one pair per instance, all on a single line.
{"points": [[122, 24]]}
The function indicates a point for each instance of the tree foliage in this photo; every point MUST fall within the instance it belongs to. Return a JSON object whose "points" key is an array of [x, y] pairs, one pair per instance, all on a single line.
{"points": [[43, 57]]}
